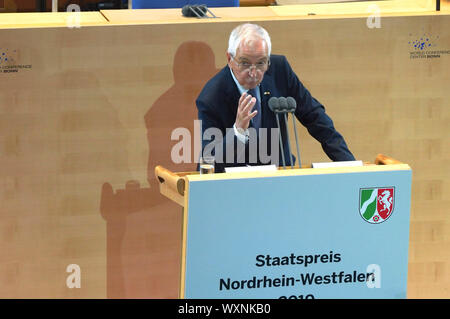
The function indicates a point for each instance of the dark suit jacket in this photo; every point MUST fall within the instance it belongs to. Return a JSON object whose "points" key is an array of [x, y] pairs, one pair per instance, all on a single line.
{"points": [[217, 107]]}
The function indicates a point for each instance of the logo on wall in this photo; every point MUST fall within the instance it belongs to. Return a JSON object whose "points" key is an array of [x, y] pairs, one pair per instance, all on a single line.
{"points": [[425, 46], [376, 204], [7, 56], [9, 61]]}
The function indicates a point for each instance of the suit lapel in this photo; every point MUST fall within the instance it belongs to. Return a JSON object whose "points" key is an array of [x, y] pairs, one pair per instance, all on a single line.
{"points": [[231, 92], [266, 93]]}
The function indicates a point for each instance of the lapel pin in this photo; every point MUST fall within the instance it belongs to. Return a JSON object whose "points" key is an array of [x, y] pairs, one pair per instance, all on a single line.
{"points": [[267, 93]]}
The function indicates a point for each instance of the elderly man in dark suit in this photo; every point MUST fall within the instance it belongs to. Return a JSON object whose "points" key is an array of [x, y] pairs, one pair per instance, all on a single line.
{"points": [[234, 103]]}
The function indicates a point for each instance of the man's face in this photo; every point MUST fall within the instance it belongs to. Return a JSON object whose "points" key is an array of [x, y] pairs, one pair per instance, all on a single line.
{"points": [[250, 63]]}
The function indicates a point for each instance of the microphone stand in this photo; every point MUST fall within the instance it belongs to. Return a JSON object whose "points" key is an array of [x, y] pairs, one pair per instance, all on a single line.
{"points": [[289, 139], [201, 11], [296, 140], [292, 106], [284, 109], [281, 141], [194, 10]]}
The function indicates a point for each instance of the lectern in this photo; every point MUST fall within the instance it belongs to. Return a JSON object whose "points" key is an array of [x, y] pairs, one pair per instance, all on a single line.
{"points": [[339, 232]]}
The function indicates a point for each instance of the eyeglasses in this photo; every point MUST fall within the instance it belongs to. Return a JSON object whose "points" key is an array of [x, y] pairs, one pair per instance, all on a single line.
{"points": [[246, 66]]}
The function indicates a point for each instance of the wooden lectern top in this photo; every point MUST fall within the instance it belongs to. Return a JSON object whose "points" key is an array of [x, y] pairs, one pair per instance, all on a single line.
{"points": [[173, 185]]}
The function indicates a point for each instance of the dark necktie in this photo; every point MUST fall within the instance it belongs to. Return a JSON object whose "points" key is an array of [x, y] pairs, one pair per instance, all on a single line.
{"points": [[257, 119]]}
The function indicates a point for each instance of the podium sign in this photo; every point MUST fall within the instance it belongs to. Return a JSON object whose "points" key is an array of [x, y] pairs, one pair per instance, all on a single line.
{"points": [[308, 233]]}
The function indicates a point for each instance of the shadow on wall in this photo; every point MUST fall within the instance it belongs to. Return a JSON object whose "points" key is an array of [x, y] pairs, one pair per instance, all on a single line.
{"points": [[143, 227], [194, 65]]}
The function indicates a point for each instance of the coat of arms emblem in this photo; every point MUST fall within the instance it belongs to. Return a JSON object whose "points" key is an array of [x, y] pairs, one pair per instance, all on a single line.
{"points": [[376, 204]]}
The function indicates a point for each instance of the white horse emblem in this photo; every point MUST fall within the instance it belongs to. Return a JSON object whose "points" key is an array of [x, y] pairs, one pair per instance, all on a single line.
{"points": [[385, 200]]}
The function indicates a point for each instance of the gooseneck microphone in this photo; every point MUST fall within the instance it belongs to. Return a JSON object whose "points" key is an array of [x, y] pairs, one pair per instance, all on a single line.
{"points": [[274, 106], [286, 105], [284, 109], [196, 10], [292, 106]]}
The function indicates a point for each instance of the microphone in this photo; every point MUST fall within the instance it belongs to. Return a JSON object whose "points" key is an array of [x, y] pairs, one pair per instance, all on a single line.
{"points": [[284, 109], [274, 106], [186, 11], [196, 10], [292, 105]]}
